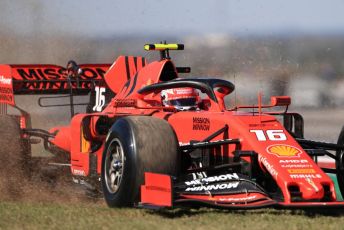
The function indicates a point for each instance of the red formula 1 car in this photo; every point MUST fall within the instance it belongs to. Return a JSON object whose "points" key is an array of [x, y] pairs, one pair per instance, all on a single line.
{"points": [[154, 139]]}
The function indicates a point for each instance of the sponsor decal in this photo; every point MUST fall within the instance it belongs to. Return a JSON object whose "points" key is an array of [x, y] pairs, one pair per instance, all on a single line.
{"points": [[311, 182], [296, 166], [224, 177], [56, 74], [238, 199], [201, 123], [213, 187], [304, 176], [6, 97], [268, 166], [301, 171], [125, 103], [5, 81], [292, 161], [78, 172], [282, 150], [6, 92]]}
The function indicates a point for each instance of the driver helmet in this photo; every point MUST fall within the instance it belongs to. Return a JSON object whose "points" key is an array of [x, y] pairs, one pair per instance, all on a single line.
{"points": [[182, 99]]}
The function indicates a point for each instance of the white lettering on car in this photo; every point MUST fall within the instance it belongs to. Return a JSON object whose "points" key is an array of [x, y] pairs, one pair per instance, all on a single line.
{"points": [[6, 81], [268, 166], [224, 177], [213, 187]]}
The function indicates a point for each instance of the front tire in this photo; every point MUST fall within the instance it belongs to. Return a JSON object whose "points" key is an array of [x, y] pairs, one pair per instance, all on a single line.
{"points": [[135, 145], [340, 162]]}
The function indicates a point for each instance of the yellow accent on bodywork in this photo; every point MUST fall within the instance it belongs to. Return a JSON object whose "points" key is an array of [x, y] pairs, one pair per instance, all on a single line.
{"points": [[85, 145]]}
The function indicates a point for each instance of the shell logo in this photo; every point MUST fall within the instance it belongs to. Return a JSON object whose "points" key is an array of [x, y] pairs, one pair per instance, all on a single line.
{"points": [[284, 150]]}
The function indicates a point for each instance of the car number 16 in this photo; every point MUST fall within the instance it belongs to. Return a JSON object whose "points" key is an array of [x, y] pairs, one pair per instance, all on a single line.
{"points": [[100, 99], [272, 135]]}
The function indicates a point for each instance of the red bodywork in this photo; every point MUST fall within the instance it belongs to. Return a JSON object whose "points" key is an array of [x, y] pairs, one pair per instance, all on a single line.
{"points": [[279, 154]]}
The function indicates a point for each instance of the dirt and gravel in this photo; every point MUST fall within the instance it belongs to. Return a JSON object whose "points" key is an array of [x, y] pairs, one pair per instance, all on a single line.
{"points": [[16, 183], [40, 187]]}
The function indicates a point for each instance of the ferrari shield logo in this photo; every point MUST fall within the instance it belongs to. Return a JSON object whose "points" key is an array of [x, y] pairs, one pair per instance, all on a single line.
{"points": [[283, 150]]}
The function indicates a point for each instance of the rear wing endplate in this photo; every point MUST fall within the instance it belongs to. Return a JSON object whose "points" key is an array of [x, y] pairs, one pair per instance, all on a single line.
{"points": [[6, 85]]}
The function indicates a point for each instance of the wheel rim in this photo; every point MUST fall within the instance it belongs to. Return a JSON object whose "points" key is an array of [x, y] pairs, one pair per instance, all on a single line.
{"points": [[114, 165]]}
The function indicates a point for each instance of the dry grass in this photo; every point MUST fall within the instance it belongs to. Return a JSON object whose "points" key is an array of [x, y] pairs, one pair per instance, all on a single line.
{"points": [[15, 215]]}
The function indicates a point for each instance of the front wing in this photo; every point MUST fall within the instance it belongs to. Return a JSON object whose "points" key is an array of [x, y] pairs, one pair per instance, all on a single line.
{"points": [[228, 191]]}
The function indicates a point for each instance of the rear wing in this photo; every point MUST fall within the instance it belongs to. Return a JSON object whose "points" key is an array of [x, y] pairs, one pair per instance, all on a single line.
{"points": [[48, 79]]}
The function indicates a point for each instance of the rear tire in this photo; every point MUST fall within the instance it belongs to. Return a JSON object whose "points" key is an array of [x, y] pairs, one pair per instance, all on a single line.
{"points": [[135, 145]]}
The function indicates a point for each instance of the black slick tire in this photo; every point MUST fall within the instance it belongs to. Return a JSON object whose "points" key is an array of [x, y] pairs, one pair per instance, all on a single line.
{"points": [[135, 145], [340, 162]]}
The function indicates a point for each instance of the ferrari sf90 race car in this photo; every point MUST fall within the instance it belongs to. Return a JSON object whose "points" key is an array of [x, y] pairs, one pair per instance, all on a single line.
{"points": [[141, 143]]}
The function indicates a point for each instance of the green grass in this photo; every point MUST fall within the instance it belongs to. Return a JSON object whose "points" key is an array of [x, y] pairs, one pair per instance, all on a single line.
{"points": [[16, 215]]}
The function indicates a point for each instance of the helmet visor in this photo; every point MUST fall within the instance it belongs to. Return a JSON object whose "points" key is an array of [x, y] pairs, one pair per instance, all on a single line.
{"points": [[183, 102]]}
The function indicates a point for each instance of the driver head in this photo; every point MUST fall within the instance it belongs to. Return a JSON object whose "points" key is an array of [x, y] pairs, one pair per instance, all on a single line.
{"points": [[182, 99]]}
